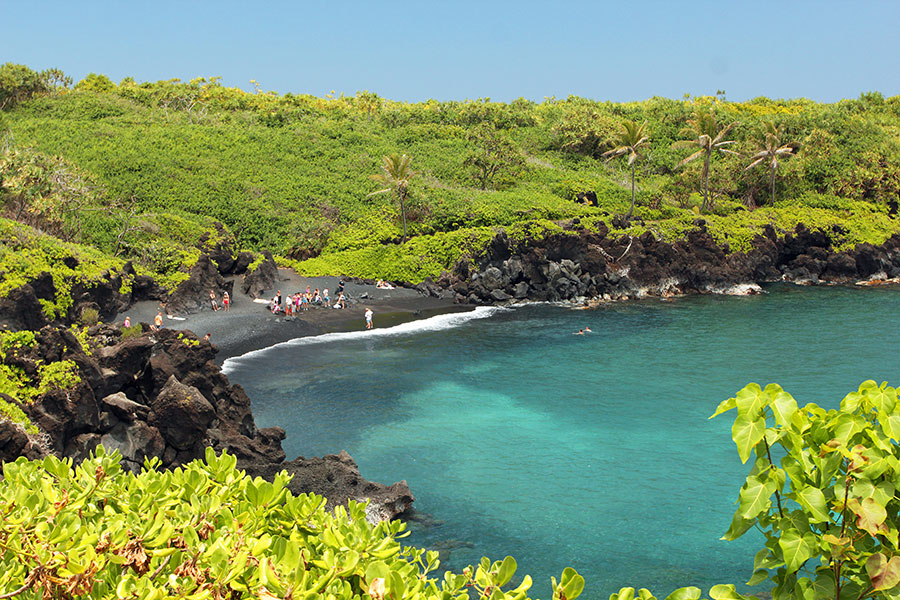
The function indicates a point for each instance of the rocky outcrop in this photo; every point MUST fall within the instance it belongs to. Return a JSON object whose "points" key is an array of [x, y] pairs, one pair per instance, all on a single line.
{"points": [[336, 476], [261, 279], [161, 395], [192, 295], [584, 266]]}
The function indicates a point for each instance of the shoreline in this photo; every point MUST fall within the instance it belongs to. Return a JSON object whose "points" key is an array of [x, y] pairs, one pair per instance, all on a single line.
{"points": [[249, 325]]}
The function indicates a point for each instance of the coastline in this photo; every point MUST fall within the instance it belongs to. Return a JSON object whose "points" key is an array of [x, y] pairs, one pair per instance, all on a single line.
{"points": [[249, 325]]}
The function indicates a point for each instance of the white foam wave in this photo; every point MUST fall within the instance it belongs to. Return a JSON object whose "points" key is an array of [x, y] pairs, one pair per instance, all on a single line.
{"points": [[436, 323]]}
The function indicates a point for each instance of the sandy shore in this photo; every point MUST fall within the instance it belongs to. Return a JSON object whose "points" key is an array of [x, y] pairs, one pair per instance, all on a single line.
{"points": [[249, 325]]}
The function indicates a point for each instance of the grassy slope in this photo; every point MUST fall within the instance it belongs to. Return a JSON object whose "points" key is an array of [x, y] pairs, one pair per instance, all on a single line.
{"points": [[288, 174]]}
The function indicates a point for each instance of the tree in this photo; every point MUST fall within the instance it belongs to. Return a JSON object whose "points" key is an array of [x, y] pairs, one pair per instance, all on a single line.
{"points": [[95, 83], [709, 138], [17, 84], [770, 149], [629, 141], [54, 80], [494, 155], [395, 175]]}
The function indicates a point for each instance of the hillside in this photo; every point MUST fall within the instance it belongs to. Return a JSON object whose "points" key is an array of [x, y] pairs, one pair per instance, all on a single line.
{"points": [[142, 170]]}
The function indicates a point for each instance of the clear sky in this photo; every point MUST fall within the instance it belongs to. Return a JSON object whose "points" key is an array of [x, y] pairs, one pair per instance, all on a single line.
{"points": [[453, 50]]}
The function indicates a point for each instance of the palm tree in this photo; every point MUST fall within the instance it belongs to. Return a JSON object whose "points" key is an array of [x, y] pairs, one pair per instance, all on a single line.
{"points": [[629, 141], [708, 138], [395, 175], [770, 148]]}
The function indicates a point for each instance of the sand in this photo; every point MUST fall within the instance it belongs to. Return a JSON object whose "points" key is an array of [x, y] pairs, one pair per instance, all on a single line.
{"points": [[249, 325]]}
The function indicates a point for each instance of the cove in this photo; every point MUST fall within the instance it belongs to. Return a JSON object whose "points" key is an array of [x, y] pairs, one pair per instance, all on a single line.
{"points": [[519, 438]]}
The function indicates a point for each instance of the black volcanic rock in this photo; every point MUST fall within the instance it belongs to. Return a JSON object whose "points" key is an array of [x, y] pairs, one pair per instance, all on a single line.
{"points": [[192, 295], [262, 279]]}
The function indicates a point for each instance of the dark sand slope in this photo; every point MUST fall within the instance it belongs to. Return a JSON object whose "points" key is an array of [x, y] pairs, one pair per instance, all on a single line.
{"points": [[248, 325]]}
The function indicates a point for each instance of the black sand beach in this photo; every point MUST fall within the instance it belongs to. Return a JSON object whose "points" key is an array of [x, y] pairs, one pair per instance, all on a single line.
{"points": [[249, 325]]}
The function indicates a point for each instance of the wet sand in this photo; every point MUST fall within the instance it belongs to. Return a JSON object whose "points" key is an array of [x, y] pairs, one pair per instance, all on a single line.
{"points": [[249, 325]]}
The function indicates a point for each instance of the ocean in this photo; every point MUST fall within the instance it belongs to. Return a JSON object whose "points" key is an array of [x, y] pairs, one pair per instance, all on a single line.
{"points": [[593, 451]]}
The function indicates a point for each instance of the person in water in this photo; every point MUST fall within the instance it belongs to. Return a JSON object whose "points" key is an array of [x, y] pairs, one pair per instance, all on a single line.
{"points": [[579, 332]]}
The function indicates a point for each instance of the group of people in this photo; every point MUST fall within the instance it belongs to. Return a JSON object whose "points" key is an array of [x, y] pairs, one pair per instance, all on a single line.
{"points": [[226, 301], [294, 303]]}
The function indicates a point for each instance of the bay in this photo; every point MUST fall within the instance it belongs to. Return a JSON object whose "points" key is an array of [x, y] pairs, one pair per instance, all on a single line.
{"points": [[519, 438]]}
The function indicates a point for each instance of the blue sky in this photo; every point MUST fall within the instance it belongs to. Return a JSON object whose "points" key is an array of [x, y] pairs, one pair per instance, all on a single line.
{"points": [[453, 50]]}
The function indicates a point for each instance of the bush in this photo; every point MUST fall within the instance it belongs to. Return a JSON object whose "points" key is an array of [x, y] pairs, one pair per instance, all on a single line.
{"points": [[206, 530]]}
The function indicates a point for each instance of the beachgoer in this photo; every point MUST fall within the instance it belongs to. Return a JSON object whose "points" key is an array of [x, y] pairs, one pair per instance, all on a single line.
{"points": [[340, 286], [579, 332], [226, 300], [288, 307], [206, 337], [340, 301], [212, 300], [588, 330], [157, 321], [275, 305], [325, 297], [369, 314], [127, 321], [278, 298]]}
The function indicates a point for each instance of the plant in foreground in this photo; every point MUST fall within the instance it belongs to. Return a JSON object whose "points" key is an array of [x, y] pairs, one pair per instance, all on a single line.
{"points": [[822, 489], [208, 531]]}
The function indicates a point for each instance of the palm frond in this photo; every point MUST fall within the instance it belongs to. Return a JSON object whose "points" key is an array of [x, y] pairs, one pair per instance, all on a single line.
{"points": [[693, 156]]}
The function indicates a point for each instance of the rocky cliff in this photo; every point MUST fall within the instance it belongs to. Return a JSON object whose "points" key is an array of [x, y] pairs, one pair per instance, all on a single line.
{"points": [[584, 266]]}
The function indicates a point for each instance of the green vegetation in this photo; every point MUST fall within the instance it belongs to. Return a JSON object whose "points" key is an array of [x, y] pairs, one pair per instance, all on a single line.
{"points": [[208, 531], [828, 508], [21, 388], [141, 170]]}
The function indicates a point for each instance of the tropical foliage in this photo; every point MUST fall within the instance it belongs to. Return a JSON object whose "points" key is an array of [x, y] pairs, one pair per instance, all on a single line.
{"points": [[629, 142], [116, 165], [822, 489], [709, 137], [208, 531]]}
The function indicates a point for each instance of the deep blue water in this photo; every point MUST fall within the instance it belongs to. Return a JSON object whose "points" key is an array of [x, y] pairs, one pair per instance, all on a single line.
{"points": [[593, 451]]}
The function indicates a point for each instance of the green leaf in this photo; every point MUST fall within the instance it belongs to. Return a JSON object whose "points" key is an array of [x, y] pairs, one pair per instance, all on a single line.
{"points": [[685, 593], [795, 549], [625, 593], [724, 592], [784, 407], [739, 526], [750, 401], [890, 425], [747, 432], [506, 571], [813, 500], [724, 406], [572, 583], [759, 575], [755, 497], [870, 516]]}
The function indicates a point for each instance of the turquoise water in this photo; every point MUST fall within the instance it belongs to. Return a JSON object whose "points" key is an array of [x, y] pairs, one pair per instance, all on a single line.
{"points": [[593, 451]]}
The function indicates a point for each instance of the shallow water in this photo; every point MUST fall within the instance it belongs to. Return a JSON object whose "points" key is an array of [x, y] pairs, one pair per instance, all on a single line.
{"points": [[593, 451]]}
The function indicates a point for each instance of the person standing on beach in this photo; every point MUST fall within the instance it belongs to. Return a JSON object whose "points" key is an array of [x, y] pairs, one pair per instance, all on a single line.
{"points": [[369, 315], [226, 301], [212, 301], [158, 320]]}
